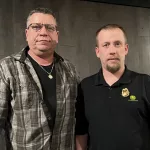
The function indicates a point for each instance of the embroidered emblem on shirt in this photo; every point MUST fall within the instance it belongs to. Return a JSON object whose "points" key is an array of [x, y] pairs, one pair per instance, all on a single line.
{"points": [[125, 92], [132, 98]]}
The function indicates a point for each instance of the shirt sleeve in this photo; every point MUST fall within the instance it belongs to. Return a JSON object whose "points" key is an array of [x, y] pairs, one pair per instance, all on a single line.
{"points": [[147, 93], [81, 120], [4, 98], [4, 102]]}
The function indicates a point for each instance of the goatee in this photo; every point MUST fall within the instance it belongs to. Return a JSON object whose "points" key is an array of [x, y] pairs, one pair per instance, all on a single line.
{"points": [[113, 69]]}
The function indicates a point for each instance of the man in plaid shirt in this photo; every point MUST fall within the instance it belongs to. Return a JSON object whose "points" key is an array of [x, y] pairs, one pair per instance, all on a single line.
{"points": [[38, 90]]}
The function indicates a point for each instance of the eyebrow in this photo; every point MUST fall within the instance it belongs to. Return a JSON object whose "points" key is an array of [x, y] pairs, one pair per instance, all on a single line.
{"points": [[118, 41], [112, 42], [105, 43]]}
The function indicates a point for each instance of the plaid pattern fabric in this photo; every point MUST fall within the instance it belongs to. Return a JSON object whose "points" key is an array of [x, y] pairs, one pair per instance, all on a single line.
{"points": [[24, 111]]}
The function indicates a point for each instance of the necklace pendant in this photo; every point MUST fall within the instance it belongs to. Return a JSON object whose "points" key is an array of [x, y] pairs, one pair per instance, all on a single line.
{"points": [[50, 76]]}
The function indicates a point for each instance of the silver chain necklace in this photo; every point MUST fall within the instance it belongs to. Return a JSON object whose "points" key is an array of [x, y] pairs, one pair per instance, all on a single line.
{"points": [[49, 73]]}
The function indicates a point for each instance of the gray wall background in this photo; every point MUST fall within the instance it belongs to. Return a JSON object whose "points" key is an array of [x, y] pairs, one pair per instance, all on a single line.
{"points": [[78, 21]]}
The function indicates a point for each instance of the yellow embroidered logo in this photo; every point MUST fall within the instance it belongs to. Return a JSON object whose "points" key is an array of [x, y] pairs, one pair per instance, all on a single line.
{"points": [[125, 92], [132, 98]]}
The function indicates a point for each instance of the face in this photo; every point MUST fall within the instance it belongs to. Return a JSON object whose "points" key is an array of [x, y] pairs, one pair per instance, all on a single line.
{"points": [[111, 49], [43, 41]]}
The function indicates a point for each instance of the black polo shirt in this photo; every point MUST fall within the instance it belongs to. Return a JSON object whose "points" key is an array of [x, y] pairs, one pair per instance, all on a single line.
{"points": [[116, 117]]}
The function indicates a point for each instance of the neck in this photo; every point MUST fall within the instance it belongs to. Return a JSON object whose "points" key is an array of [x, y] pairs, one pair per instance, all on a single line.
{"points": [[111, 78], [44, 61]]}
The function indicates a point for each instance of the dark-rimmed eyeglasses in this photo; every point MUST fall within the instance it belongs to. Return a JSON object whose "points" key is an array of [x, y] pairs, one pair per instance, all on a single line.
{"points": [[38, 26]]}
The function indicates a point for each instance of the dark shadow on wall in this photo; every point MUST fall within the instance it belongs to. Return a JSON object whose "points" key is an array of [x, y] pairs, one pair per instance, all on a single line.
{"points": [[134, 3]]}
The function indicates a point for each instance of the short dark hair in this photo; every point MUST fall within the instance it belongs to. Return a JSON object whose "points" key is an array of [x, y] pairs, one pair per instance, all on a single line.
{"points": [[41, 10], [111, 26]]}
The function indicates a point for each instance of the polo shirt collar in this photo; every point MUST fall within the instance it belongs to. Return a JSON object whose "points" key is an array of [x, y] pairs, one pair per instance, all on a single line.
{"points": [[124, 79]]}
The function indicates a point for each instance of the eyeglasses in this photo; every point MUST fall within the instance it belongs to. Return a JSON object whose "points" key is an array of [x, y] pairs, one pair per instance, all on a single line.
{"points": [[38, 26]]}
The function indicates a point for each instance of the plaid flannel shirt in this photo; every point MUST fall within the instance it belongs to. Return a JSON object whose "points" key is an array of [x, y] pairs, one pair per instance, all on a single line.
{"points": [[23, 111]]}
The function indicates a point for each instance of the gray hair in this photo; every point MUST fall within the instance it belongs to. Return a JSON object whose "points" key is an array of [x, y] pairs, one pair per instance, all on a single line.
{"points": [[41, 10]]}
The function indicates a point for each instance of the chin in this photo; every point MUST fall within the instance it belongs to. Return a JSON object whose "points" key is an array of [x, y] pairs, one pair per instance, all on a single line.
{"points": [[113, 68], [43, 49]]}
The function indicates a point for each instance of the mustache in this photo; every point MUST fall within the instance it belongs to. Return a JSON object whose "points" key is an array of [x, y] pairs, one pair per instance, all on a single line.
{"points": [[113, 58]]}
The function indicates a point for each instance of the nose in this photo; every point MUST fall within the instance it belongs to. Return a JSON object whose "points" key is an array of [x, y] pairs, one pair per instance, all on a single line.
{"points": [[112, 49], [43, 31]]}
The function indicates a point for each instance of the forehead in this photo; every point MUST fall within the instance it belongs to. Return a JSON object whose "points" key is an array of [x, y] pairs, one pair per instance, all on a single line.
{"points": [[110, 35], [41, 18]]}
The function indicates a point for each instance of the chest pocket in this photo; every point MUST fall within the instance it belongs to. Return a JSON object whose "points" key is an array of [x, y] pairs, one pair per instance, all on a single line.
{"points": [[26, 95]]}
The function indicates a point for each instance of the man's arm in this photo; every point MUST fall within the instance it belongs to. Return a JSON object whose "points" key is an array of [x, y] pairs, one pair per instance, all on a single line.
{"points": [[81, 122], [5, 95], [81, 142]]}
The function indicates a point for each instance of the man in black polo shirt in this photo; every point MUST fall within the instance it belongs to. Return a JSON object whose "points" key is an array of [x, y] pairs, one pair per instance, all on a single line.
{"points": [[113, 106]]}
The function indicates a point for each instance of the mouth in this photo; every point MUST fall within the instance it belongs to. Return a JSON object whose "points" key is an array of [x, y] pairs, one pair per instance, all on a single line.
{"points": [[113, 59], [43, 41]]}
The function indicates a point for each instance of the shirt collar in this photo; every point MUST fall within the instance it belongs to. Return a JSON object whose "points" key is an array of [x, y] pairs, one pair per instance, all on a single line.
{"points": [[23, 54], [124, 79]]}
